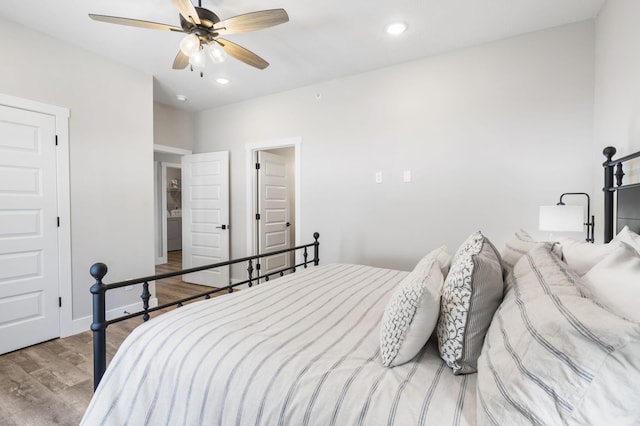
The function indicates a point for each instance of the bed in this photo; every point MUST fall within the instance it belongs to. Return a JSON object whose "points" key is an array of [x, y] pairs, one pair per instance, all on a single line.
{"points": [[513, 336]]}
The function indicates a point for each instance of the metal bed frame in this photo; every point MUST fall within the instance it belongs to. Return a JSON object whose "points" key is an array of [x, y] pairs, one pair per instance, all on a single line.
{"points": [[99, 290], [628, 213], [627, 196]]}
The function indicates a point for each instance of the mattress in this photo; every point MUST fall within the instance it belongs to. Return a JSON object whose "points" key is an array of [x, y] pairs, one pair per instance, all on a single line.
{"points": [[300, 350]]}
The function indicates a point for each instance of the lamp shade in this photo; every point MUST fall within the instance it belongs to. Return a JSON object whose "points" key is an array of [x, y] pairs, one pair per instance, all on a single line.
{"points": [[561, 218]]}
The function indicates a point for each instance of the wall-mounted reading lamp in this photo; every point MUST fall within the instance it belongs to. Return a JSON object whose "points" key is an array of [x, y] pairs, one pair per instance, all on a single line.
{"points": [[563, 218]]}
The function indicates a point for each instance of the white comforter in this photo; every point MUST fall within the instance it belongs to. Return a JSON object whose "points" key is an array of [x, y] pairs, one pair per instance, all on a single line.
{"points": [[300, 350]]}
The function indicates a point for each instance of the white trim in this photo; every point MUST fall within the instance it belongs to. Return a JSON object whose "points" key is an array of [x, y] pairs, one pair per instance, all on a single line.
{"points": [[65, 281], [171, 150], [251, 149], [83, 324]]}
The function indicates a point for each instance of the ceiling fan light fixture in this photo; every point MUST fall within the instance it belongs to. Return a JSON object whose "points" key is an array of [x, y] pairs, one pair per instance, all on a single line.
{"points": [[198, 59], [190, 45], [216, 52], [181, 98], [395, 28]]}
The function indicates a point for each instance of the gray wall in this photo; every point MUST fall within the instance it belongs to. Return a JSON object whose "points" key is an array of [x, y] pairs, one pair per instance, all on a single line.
{"points": [[110, 149], [489, 134], [617, 89]]}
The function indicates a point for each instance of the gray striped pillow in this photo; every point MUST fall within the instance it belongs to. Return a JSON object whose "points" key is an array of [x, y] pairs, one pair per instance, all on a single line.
{"points": [[471, 294], [553, 356], [519, 245]]}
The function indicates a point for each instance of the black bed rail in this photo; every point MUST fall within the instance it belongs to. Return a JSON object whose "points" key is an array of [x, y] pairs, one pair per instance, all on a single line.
{"points": [[99, 289], [609, 187]]}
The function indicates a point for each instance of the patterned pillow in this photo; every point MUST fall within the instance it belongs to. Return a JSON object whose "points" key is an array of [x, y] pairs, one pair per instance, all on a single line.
{"points": [[441, 255], [470, 296], [412, 312]]}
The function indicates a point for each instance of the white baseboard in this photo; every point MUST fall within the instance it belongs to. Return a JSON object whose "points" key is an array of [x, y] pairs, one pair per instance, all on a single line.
{"points": [[83, 324]]}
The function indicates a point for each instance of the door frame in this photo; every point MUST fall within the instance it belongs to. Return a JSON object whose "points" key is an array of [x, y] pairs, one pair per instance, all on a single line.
{"points": [[251, 150], [65, 281], [161, 198]]}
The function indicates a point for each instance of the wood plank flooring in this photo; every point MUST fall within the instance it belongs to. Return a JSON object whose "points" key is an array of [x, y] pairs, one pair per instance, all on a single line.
{"points": [[52, 383]]}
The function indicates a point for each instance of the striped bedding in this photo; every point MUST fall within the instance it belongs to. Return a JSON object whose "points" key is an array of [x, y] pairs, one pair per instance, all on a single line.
{"points": [[300, 350]]}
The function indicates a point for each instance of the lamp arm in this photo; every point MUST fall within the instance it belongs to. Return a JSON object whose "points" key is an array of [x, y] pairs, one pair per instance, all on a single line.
{"points": [[590, 225]]}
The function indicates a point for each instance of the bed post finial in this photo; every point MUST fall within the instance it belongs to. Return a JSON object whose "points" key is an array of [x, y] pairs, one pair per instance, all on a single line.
{"points": [[609, 152], [608, 189], [316, 249], [99, 325]]}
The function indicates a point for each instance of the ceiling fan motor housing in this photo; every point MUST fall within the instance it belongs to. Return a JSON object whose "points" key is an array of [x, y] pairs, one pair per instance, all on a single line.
{"points": [[203, 30]]}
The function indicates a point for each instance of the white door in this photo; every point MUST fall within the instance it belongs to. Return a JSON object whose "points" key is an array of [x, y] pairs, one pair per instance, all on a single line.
{"points": [[275, 216], [205, 216], [29, 288]]}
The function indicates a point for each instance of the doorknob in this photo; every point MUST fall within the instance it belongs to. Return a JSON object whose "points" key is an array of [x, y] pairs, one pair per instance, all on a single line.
{"points": [[223, 227], [287, 224]]}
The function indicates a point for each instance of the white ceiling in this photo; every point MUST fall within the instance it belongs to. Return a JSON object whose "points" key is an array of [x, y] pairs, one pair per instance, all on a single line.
{"points": [[323, 40]]}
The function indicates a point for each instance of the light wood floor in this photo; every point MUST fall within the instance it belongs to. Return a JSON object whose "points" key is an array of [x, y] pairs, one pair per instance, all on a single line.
{"points": [[52, 383]]}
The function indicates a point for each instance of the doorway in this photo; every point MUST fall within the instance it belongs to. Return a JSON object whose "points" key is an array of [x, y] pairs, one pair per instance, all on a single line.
{"points": [[273, 200], [167, 200]]}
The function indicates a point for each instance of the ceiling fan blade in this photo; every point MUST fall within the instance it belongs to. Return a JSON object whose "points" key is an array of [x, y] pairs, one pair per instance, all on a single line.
{"points": [[242, 54], [181, 61], [252, 21], [187, 10], [134, 23]]}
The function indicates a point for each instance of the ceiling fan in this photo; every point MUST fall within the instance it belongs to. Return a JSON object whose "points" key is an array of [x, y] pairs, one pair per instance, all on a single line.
{"points": [[203, 29]]}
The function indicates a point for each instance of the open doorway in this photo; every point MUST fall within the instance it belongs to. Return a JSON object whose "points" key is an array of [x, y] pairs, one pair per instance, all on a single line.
{"points": [[273, 198], [168, 202]]}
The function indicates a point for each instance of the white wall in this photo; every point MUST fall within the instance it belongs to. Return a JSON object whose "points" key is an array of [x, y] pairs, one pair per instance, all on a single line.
{"points": [[111, 152], [489, 134], [173, 127], [617, 87]]}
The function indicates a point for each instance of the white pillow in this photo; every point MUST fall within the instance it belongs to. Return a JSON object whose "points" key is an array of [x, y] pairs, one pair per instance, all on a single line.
{"points": [[581, 256], [615, 282], [412, 312], [626, 235], [441, 255]]}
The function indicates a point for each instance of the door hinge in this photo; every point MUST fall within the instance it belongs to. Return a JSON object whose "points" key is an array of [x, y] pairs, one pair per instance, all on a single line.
{"points": [[257, 166], [58, 218], [257, 216], [59, 302], [56, 140]]}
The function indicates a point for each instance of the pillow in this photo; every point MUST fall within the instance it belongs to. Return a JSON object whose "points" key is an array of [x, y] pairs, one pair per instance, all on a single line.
{"points": [[520, 244], [412, 312], [553, 356], [582, 256], [471, 293], [626, 235], [441, 255], [615, 282]]}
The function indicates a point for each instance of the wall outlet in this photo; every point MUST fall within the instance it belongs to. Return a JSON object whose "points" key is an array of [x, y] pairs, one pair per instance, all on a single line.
{"points": [[378, 177]]}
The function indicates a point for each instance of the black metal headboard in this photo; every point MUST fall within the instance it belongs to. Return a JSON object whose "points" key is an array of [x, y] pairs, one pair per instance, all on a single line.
{"points": [[627, 196]]}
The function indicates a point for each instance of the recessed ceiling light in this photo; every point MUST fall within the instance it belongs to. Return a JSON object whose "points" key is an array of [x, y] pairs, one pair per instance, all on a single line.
{"points": [[222, 80], [396, 28], [181, 98]]}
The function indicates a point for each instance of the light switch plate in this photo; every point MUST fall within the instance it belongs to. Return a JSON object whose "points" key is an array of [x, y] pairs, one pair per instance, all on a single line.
{"points": [[378, 177], [406, 176]]}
